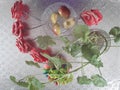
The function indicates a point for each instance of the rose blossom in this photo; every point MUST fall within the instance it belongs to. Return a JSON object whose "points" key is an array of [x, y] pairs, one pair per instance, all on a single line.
{"points": [[19, 10], [91, 17], [37, 56], [18, 28], [23, 45]]}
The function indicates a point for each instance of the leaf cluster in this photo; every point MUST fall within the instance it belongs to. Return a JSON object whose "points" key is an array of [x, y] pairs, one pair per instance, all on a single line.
{"points": [[58, 62], [97, 80], [83, 46], [31, 63], [45, 41], [115, 31], [60, 76], [29, 82]]}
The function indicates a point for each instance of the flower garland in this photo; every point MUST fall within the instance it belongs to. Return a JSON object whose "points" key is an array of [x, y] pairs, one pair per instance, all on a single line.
{"points": [[56, 68], [19, 12]]}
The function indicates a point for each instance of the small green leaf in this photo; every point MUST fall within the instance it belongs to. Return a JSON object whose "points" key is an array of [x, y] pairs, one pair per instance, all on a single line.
{"points": [[66, 79], [73, 49], [65, 40], [91, 53], [84, 80], [97, 63], [98, 80], [35, 84], [31, 87], [20, 83], [115, 31], [45, 41], [117, 38], [57, 61], [31, 63], [81, 32], [12, 78]]}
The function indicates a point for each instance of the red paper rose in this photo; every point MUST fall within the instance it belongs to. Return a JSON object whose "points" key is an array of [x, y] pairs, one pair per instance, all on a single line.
{"points": [[37, 56], [23, 45], [91, 17], [19, 10], [18, 28]]}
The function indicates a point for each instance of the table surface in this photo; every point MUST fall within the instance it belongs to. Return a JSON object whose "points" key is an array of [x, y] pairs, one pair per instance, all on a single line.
{"points": [[12, 62]]}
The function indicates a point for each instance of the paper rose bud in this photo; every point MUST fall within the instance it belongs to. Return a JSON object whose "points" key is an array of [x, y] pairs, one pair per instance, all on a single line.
{"points": [[23, 45], [18, 28], [91, 17], [46, 66], [19, 10], [37, 56]]}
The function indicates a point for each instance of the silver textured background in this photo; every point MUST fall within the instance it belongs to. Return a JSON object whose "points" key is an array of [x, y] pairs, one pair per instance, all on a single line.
{"points": [[12, 61]]}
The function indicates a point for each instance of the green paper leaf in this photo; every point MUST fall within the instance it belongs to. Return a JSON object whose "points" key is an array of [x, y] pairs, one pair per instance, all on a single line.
{"points": [[45, 41], [81, 32], [115, 31], [117, 38], [97, 63], [20, 83], [84, 80], [60, 76], [73, 49], [66, 79], [91, 53], [31, 63], [57, 61], [98, 80], [31, 87], [65, 40], [35, 84]]}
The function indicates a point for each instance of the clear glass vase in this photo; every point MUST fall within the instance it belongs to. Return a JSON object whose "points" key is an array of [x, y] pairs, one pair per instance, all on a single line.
{"points": [[102, 39]]}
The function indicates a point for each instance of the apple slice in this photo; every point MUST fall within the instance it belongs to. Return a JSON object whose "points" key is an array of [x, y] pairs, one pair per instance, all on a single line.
{"points": [[56, 29], [64, 12], [54, 17], [69, 23]]}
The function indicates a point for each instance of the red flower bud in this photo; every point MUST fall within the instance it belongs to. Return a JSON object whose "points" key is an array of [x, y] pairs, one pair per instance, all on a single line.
{"points": [[37, 56], [18, 28], [19, 10], [23, 45]]}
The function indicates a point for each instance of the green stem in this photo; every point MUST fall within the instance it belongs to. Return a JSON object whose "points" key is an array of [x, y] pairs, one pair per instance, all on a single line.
{"points": [[59, 52], [79, 62], [35, 17], [37, 26], [113, 46], [76, 40], [105, 45], [65, 35], [79, 68], [56, 38], [26, 77], [100, 71], [108, 46], [82, 70]]}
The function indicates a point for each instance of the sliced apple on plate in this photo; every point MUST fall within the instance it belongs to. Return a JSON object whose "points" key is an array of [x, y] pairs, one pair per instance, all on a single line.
{"points": [[54, 17], [69, 23], [56, 29], [64, 12]]}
